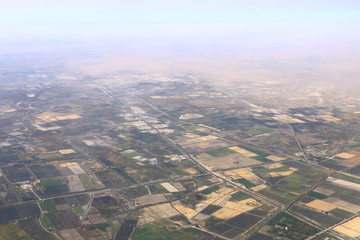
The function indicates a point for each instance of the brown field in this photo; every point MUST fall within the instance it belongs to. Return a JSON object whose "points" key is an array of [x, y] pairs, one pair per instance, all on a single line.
{"points": [[345, 155], [244, 173], [229, 161], [153, 213], [196, 143], [273, 165], [232, 209], [321, 205], [329, 118], [259, 188], [151, 199], [281, 174], [287, 119], [243, 151], [70, 234], [324, 191], [75, 184], [53, 117], [350, 228], [343, 183], [186, 211], [66, 151], [344, 205], [275, 158]]}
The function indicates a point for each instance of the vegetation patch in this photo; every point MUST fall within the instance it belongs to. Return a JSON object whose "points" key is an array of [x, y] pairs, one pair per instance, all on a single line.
{"points": [[317, 195], [51, 221], [239, 196], [245, 182], [347, 178], [77, 211], [53, 181], [85, 180], [220, 152], [210, 190], [259, 130], [101, 226], [13, 232], [48, 205], [157, 188], [341, 213]]}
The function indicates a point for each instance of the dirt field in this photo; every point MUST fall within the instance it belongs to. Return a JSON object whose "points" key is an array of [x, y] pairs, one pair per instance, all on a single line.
{"points": [[343, 183], [187, 212], [244, 173], [243, 151], [70, 234], [75, 184], [229, 161], [345, 155], [76, 169], [153, 213], [169, 187], [232, 209], [350, 228], [151, 199], [66, 151], [321, 205]]}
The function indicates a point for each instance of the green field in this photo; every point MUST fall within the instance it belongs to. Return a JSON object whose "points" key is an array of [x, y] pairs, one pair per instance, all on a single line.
{"points": [[77, 211], [101, 226], [210, 189], [156, 232], [132, 154], [341, 213], [48, 205], [317, 195], [157, 188], [13, 232], [51, 220], [238, 196], [259, 130], [347, 178], [85, 180], [296, 183], [262, 159], [220, 152], [263, 170], [245, 182], [296, 229], [53, 181]]}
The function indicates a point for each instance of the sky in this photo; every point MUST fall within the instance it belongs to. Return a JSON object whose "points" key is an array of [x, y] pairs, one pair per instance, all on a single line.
{"points": [[264, 23]]}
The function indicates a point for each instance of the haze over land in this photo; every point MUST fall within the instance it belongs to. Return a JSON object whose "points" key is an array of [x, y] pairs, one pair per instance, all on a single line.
{"points": [[148, 120]]}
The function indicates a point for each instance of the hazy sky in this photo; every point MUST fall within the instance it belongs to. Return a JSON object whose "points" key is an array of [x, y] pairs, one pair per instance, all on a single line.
{"points": [[245, 23], [52, 17]]}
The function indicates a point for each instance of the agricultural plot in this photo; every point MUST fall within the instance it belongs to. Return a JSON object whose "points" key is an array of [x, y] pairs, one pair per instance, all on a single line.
{"points": [[110, 178], [45, 171], [196, 144], [54, 186], [285, 226], [17, 173], [157, 212], [231, 157], [295, 182], [162, 230], [107, 205], [33, 228], [350, 228], [13, 232], [336, 197], [343, 160], [75, 185], [222, 210]]}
